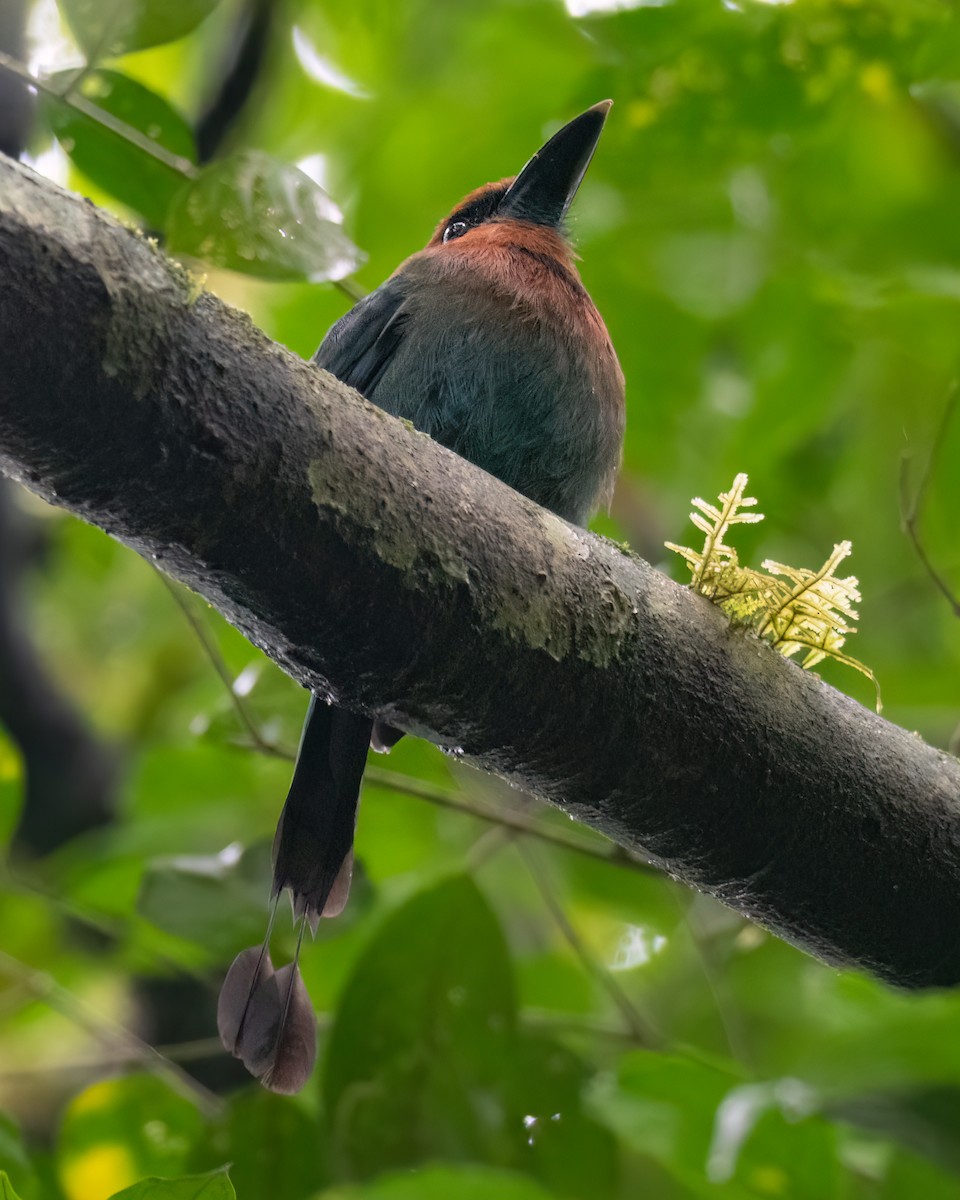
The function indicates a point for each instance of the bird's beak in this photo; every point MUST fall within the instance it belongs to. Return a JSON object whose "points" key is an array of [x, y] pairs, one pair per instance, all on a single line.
{"points": [[545, 188]]}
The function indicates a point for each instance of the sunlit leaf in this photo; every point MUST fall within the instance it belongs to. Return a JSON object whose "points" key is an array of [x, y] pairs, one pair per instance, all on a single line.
{"points": [[119, 1130], [105, 28], [6, 1188], [251, 212], [127, 171]]}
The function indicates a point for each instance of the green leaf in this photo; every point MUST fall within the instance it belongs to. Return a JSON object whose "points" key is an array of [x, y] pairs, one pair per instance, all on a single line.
{"points": [[216, 900], [274, 1147], [908, 1177], [566, 1149], [125, 170], [105, 28], [11, 788], [13, 1158], [423, 1037], [442, 1183], [215, 1186], [424, 1058], [251, 212], [6, 1188], [923, 1120], [664, 1107], [770, 1136], [120, 1130]]}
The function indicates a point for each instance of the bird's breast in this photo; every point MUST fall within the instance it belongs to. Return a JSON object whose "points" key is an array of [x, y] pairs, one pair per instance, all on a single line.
{"points": [[506, 361]]}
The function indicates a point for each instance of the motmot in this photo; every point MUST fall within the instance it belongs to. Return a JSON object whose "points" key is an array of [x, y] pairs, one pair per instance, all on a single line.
{"points": [[487, 341]]}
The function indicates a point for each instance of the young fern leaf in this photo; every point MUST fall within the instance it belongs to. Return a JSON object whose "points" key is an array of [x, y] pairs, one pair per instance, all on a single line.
{"points": [[792, 608], [711, 567]]}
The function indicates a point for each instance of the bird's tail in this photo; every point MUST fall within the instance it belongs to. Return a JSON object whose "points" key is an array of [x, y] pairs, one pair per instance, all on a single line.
{"points": [[313, 848], [264, 1016]]}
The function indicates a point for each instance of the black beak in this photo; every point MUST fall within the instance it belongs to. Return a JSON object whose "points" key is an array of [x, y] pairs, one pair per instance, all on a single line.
{"points": [[545, 188]]}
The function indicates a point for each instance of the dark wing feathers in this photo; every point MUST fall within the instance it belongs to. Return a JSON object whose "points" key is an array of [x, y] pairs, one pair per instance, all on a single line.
{"points": [[360, 346]]}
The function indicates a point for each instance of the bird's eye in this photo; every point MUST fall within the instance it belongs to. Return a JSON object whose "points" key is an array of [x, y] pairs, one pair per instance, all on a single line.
{"points": [[454, 230]]}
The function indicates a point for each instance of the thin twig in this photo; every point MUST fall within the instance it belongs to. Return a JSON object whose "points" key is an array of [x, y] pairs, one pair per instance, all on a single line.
{"points": [[108, 926], [109, 1033], [638, 1026], [226, 677], [542, 1018], [730, 1016], [911, 507], [488, 845], [174, 162], [612, 854], [198, 1050], [202, 1049], [350, 288], [92, 59], [573, 1026]]}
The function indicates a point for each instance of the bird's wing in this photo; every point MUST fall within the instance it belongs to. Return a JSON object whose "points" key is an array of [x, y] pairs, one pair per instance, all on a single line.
{"points": [[359, 347]]}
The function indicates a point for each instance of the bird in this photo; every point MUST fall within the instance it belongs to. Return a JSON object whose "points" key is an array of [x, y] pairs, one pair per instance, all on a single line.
{"points": [[487, 341]]}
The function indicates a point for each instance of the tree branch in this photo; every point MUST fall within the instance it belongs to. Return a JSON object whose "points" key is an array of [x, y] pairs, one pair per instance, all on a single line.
{"points": [[374, 565]]}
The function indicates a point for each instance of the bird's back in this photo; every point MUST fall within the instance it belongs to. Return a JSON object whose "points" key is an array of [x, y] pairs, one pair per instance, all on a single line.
{"points": [[492, 346]]}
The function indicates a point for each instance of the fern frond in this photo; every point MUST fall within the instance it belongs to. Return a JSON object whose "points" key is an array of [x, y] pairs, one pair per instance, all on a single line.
{"points": [[715, 523], [793, 608]]}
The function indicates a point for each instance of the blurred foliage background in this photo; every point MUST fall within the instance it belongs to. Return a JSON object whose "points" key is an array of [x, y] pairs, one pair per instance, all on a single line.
{"points": [[770, 228]]}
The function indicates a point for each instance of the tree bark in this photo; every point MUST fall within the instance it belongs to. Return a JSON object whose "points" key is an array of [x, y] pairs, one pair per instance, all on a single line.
{"points": [[69, 775], [377, 567]]}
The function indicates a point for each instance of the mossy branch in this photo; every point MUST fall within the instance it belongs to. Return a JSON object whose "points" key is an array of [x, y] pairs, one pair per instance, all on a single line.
{"points": [[374, 565]]}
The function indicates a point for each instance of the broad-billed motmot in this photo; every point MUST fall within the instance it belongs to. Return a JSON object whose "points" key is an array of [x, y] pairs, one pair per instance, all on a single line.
{"points": [[487, 341]]}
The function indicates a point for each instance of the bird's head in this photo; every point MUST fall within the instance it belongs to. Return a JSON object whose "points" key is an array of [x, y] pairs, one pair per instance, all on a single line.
{"points": [[543, 191]]}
